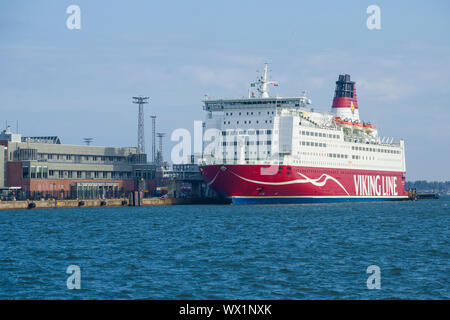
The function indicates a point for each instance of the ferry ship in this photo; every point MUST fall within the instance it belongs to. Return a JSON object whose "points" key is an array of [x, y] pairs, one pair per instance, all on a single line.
{"points": [[276, 150]]}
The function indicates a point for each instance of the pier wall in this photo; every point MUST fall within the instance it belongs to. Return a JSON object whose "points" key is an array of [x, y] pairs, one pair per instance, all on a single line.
{"points": [[46, 204]]}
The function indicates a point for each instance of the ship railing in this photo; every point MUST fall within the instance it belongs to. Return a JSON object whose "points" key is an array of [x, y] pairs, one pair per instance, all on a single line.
{"points": [[218, 161], [294, 112], [356, 139]]}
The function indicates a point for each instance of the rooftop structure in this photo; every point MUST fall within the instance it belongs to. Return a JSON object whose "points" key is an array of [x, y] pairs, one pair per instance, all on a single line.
{"points": [[48, 139], [8, 135]]}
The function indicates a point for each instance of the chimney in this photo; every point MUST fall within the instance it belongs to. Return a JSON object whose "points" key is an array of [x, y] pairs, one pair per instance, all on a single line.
{"points": [[345, 104]]}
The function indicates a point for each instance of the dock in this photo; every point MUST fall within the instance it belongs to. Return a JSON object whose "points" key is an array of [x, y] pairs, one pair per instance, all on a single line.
{"points": [[122, 202], [427, 195], [414, 195]]}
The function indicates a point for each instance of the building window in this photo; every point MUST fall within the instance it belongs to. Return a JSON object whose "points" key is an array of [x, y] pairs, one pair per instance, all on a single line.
{"points": [[79, 174], [33, 172], [39, 172], [25, 172], [45, 172], [69, 174]]}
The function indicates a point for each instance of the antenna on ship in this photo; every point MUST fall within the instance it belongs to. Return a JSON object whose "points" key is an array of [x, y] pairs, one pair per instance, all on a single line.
{"points": [[262, 83]]}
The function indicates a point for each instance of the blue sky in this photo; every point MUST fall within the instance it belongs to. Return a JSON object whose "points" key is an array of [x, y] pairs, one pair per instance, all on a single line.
{"points": [[79, 83]]}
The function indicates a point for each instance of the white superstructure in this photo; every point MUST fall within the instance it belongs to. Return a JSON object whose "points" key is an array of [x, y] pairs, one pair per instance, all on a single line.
{"points": [[287, 131]]}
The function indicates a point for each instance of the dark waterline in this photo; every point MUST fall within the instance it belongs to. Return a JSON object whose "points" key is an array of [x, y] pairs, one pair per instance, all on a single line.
{"points": [[228, 252]]}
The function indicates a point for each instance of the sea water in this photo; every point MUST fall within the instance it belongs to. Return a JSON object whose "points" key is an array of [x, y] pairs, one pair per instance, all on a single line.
{"points": [[319, 251]]}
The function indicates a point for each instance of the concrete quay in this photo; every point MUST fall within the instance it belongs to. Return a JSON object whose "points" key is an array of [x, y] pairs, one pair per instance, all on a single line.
{"points": [[89, 203]]}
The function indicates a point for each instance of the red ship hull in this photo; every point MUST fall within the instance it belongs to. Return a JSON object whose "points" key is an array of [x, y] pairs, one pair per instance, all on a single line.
{"points": [[264, 184]]}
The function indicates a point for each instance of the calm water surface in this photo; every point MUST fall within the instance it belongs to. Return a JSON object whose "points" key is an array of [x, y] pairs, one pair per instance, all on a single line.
{"points": [[228, 252]]}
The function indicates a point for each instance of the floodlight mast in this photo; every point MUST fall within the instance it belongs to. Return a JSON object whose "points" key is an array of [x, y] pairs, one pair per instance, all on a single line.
{"points": [[140, 100], [153, 139]]}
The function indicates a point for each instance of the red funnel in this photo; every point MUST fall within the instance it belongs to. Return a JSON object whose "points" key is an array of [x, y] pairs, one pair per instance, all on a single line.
{"points": [[345, 93]]}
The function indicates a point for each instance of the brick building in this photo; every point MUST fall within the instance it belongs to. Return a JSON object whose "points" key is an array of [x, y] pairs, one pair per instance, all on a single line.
{"points": [[42, 167]]}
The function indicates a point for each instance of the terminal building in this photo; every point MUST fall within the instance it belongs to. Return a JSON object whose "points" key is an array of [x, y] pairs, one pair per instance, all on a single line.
{"points": [[43, 167]]}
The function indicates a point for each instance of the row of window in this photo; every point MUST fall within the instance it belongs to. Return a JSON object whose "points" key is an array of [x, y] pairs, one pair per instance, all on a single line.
{"points": [[320, 134], [70, 157], [375, 150], [337, 155], [40, 172], [246, 153], [235, 103], [248, 122], [248, 143], [83, 174], [313, 144], [250, 132], [249, 113]]}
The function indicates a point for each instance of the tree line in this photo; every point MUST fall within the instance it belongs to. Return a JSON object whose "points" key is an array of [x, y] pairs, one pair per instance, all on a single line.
{"points": [[428, 186]]}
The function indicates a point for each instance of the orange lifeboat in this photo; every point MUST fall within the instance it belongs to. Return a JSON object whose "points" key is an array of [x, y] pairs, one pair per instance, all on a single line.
{"points": [[368, 127], [348, 124]]}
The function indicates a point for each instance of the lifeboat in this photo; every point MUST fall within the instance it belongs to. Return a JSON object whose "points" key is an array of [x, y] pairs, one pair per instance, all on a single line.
{"points": [[368, 127], [349, 124], [358, 125], [346, 124]]}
